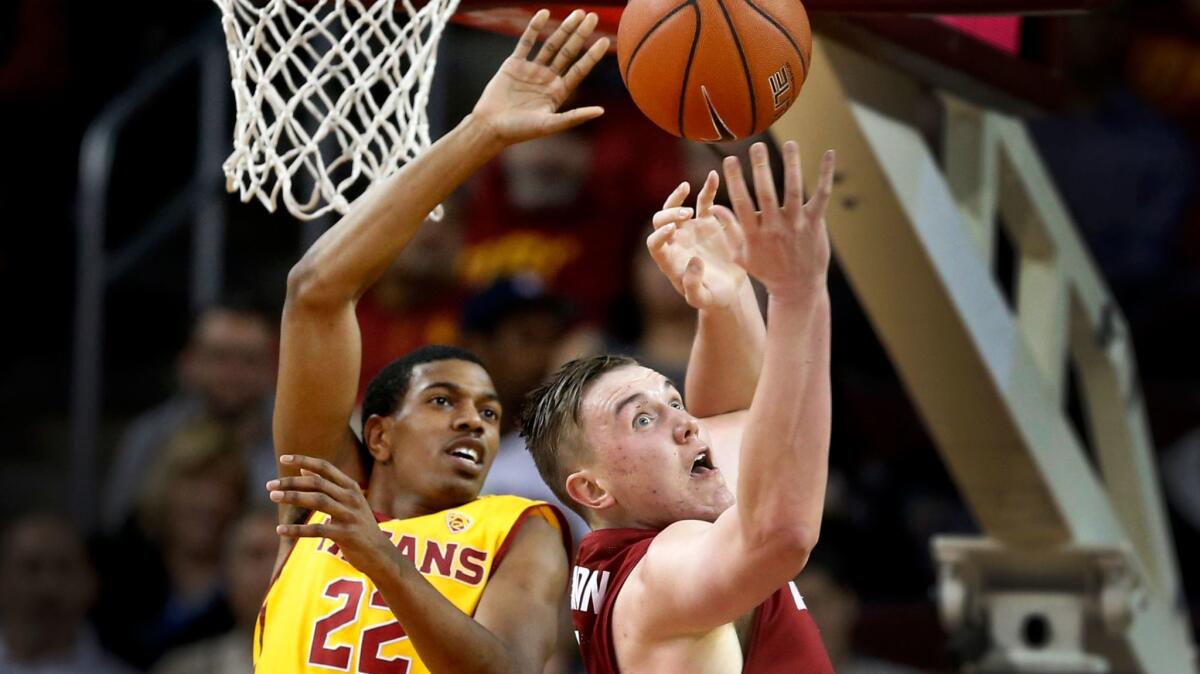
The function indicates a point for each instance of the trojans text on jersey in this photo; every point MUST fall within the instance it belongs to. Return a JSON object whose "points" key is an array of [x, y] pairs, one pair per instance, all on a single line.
{"points": [[434, 558]]}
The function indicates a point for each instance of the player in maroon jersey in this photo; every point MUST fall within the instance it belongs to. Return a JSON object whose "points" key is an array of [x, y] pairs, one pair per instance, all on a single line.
{"points": [[676, 576]]}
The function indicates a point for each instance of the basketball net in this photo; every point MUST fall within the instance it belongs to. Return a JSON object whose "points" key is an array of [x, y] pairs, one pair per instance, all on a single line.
{"points": [[331, 96]]}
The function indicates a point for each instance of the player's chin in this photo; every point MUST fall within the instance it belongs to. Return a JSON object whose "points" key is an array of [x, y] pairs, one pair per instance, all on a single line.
{"points": [[720, 500], [709, 506], [461, 486]]}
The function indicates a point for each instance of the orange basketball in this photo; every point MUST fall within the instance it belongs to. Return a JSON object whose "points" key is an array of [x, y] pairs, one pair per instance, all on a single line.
{"points": [[714, 70]]}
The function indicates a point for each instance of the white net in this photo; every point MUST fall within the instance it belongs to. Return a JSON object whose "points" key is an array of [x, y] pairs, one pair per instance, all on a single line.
{"points": [[331, 95]]}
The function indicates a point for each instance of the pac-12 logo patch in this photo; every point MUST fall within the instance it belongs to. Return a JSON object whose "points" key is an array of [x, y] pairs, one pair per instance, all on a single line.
{"points": [[457, 522], [781, 86]]}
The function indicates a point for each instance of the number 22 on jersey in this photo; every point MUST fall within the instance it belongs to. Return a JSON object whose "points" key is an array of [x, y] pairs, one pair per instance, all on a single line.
{"points": [[373, 640]]}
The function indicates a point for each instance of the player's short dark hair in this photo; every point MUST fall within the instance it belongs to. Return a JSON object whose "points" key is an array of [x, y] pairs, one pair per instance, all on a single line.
{"points": [[550, 419], [389, 387]]}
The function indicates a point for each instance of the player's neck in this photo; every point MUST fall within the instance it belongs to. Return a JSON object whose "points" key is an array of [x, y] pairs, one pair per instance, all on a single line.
{"points": [[386, 499], [619, 521]]}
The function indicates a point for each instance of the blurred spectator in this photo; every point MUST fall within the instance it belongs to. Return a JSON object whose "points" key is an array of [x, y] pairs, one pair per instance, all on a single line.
{"points": [[47, 588], [516, 327], [834, 604], [653, 324], [249, 559], [163, 572], [663, 325], [1134, 232], [568, 208], [1181, 486], [515, 316], [417, 300], [227, 372]]}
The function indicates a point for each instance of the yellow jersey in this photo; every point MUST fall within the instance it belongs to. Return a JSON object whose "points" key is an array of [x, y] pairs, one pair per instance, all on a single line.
{"points": [[322, 614]]}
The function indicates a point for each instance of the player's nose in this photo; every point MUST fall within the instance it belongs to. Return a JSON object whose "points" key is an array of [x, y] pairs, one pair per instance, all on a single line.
{"points": [[469, 421], [687, 429]]}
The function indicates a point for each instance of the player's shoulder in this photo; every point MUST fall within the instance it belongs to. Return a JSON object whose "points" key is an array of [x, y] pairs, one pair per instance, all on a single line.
{"points": [[680, 532], [509, 509], [676, 541]]}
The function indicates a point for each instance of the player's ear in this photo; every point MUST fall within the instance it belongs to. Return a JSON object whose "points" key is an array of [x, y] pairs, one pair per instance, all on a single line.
{"points": [[583, 487], [375, 436]]}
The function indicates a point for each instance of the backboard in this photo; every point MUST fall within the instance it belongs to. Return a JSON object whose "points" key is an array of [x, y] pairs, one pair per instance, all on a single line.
{"points": [[941, 39]]}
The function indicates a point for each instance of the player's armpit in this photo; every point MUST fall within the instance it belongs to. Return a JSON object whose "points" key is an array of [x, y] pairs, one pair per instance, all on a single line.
{"points": [[523, 601], [697, 576]]}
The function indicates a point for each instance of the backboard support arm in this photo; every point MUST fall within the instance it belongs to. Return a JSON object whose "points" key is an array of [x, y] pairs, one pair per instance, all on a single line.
{"points": [[915, 237]]}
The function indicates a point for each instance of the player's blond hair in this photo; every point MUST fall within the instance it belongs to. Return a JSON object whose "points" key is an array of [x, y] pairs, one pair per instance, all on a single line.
{"points": [[550, 421]]}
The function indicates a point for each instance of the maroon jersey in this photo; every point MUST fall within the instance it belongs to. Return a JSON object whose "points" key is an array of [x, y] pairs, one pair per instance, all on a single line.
{"points": [[783, 638]]}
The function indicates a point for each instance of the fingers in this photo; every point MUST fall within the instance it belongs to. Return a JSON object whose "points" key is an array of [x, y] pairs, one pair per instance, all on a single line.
{"points": [[735, 236], [670, 216], [310, 500], [530, 36], [676, 198], [564, 120], [693, 284], [764, 182], [313, 492], [820, 199], [585, 64], [793, 179], [303, 530], [559, 38], [704, 200], [657, 242], [320, 467], [739, 196], [571, 48]]}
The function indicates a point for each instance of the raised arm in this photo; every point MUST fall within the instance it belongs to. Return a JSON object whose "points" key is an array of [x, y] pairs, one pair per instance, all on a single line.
{"points": [[695, 255], [320, 341], [319, 372], [763, 541]]}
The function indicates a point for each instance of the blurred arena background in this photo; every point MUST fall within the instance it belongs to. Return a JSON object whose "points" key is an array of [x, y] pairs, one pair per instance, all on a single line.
{"points": [[135, 526]]}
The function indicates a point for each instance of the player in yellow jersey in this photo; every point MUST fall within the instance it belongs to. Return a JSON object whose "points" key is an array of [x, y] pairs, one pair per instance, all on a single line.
{"points": [[416, 573]]}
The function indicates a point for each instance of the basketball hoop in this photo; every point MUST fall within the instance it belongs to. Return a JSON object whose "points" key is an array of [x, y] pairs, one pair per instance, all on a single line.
{"points": [[331, 96]]}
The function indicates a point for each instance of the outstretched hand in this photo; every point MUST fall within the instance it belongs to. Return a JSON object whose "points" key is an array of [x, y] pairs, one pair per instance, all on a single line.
{"points": [[786, 247], [693, 252], [352, 525], [521, 101]]}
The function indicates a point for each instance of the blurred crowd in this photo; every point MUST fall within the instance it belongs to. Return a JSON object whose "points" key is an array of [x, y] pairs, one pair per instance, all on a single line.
{"points": [[539, 259]]}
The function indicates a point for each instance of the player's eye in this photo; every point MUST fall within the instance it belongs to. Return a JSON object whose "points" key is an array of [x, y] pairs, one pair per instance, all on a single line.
{"points": [[677, 404], [440, 401], [490, 414], [642, 420]]}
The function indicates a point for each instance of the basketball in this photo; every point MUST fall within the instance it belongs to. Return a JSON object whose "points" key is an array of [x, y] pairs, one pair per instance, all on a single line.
{"points": [[714, 70]]}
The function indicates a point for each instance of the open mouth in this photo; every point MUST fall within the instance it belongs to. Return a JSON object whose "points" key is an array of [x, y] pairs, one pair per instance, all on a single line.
{"points": [[468, 452], [702, 464]]}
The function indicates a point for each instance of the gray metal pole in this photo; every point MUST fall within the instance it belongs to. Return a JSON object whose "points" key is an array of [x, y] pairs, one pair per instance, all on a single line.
{"points": [[208, 229], [96, 156], [95, 164]]}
